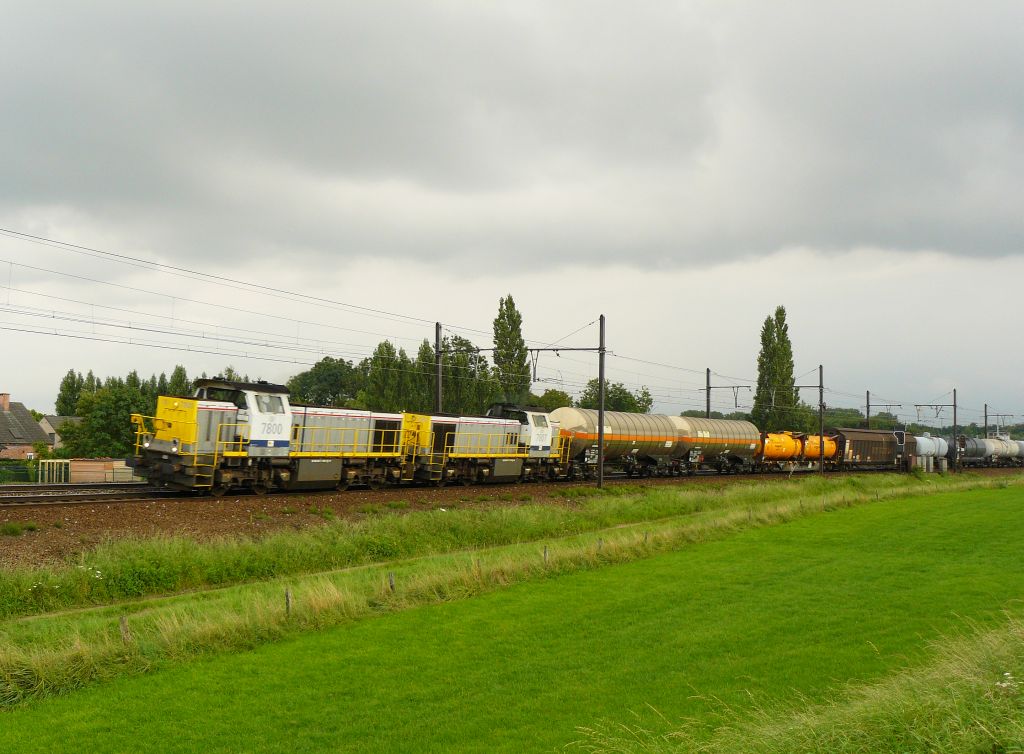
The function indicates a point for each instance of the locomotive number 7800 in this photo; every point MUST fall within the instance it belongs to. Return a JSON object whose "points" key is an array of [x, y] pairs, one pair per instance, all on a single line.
{"points": [[270, 428]]}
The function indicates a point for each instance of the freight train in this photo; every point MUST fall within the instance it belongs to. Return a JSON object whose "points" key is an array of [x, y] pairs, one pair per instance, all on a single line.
{"points": [[249, 436]]}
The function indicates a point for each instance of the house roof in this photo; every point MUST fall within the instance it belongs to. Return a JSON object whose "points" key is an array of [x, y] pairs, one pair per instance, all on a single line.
{"points": [[57, 421], [17, 427]]}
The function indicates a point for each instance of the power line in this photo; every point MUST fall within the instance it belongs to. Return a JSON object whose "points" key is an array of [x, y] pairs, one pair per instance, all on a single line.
{"points": [[200, 275]]}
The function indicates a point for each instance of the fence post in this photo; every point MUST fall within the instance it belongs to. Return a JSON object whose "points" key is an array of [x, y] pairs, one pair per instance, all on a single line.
{"points": [[545, 554], [391, 580], [287, 602], [126, 633]]}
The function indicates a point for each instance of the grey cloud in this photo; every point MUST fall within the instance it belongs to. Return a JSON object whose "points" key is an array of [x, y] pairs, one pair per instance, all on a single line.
{"points": [[516, 133]]}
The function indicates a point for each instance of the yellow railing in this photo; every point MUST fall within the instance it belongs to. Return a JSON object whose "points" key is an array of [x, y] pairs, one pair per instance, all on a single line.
{"points": [[483, 444], [565, 438], [237, 446], [564, 446], [148, 426], [330, 442]]}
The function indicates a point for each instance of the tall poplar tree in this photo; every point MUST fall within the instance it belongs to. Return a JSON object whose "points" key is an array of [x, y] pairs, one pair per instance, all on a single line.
{"points": [[69, 392], [179, 383], [776, 399], [511, 362], [387, 379]]}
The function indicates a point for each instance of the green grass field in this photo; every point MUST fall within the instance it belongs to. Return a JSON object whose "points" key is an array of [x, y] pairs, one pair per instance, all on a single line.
{"points": [[757, 618]]}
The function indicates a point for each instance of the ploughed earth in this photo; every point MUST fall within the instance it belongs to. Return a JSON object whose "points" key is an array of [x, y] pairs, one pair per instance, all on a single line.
{"points": [[40, 534]]}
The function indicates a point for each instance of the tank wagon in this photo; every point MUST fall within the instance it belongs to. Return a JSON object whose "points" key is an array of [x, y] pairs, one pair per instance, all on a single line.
{"points": [[996, 450], [657, 444], [931, 453], [791, 450]]}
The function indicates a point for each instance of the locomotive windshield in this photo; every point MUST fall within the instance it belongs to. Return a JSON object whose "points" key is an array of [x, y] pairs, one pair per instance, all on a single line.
{"points": [[269, 404], [225, 394]]}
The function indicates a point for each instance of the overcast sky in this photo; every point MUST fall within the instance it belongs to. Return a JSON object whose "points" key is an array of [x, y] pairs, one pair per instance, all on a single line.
{"points": [[680, 167]]}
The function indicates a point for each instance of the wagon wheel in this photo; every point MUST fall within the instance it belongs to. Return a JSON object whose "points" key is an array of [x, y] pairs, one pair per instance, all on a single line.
{"points": [[218, 490]]}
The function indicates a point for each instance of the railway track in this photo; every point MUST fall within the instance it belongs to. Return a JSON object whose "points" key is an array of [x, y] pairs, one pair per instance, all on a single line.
{"points": [[16, 495], [22, 495]]}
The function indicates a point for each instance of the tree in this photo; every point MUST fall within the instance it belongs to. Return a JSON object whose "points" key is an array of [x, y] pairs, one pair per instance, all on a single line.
{"points": [[776, 400], [552, 399], [386, 379], [696, 414], [423, 380], [617, 397], [468, 384], [106, 428], [67, 395], [179, 384], [90, 385], [511, 364], [330, 382]]}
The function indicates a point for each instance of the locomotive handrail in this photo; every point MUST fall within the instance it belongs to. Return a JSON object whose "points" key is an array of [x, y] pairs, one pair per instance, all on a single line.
{"points": [[490, 445], [148, 426], [565, 448], [324, 442], [237, 446]]}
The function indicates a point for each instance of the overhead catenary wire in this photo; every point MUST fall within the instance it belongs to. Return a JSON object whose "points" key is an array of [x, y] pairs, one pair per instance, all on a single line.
{"points": [[674, 393]]}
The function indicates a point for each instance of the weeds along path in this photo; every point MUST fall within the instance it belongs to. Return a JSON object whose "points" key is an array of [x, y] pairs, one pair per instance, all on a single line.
{"points": [[748, 620], [54, 653]]}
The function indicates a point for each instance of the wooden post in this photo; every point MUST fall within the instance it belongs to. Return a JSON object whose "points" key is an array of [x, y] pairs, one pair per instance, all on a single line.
{"points": [[287, 602], [126, 633], [545, 554], [391, 580]]}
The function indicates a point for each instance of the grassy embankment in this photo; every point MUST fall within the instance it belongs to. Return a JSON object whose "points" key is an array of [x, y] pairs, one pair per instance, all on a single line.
{"points": [[133, 568], [739, 623], [58, 652]]}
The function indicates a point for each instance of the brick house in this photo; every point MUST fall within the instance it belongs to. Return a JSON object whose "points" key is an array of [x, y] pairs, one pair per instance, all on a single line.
{"points": [[18, 430]]}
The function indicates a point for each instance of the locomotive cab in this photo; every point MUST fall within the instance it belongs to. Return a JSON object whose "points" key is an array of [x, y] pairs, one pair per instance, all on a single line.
{"points": [[263, 424], [536, 431]]}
